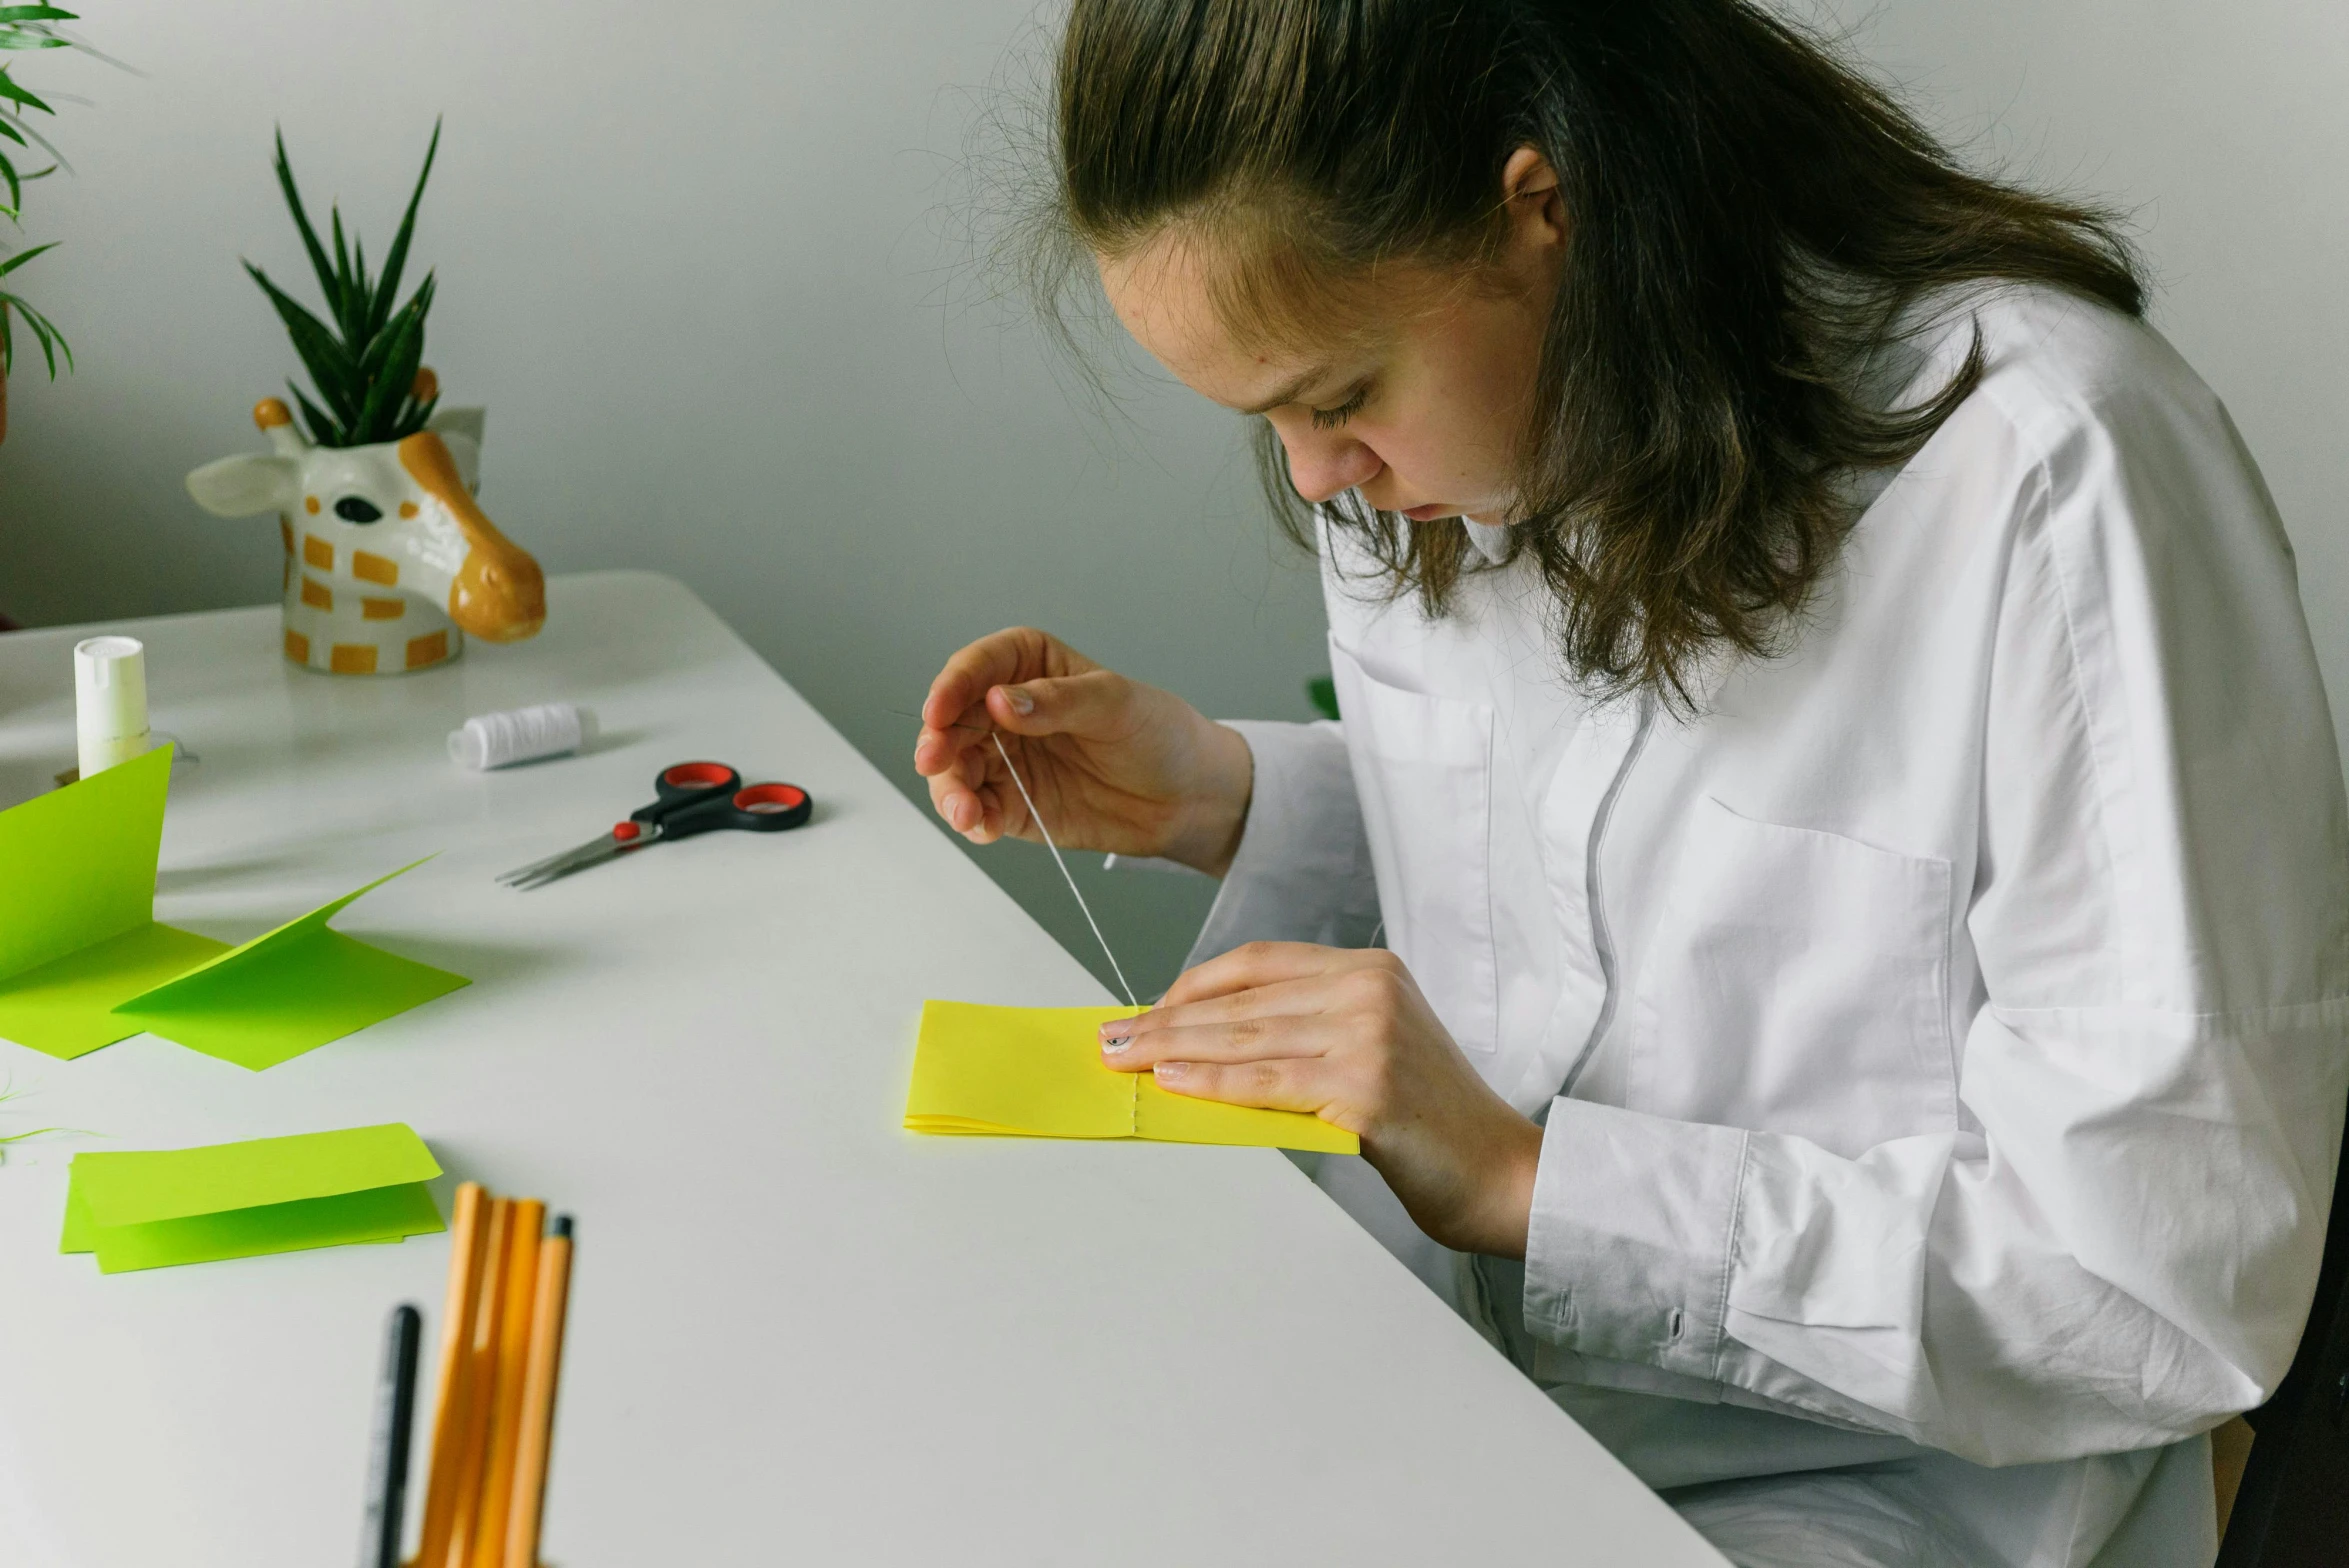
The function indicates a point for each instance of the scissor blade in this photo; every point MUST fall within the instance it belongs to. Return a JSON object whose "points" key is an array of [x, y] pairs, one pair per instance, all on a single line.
{"points": [[578, 860], [523, 873]]}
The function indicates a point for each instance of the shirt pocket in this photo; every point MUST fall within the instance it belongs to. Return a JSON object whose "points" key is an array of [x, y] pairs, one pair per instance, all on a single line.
{"points": [[1423, 773], [1797, 982]]}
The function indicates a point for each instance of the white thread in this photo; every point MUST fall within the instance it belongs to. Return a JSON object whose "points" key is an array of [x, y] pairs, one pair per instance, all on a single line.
{"points": [[497, 740], [1037, 817]]}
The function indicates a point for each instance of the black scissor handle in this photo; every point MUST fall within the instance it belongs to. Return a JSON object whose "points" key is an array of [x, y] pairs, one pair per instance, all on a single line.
{"points": [[686, 784], [755, 808]]}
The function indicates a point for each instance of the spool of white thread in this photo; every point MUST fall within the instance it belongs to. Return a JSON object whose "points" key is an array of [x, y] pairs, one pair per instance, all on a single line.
{"points": [[109, 701], [497, 740]]}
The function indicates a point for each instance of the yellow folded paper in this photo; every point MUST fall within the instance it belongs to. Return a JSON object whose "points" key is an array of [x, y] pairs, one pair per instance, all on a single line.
{"points": [[1035, 1072]]}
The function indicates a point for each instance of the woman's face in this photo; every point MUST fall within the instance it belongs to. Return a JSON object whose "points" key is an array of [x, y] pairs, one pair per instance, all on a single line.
{"points": [[1419, 405]]}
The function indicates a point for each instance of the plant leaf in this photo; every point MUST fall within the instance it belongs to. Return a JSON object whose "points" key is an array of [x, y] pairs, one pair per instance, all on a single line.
{"points": [[329, 363], [412, 419], [378, 353], [10, 90], [44, 332], [396, 258], [403, 350], [293, 199], [323, 430], [36, 13], [23, 256]]}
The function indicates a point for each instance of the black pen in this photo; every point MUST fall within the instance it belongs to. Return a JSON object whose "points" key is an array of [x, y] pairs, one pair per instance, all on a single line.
{"points": [[395, 1411]]}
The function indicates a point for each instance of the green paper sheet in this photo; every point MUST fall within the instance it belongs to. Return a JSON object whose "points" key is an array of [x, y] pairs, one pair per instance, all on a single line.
{"points": [[77, 927], [81, 862], [1036, 1072], [66, 1008], [236, 1200], [83, 963], [287, 991]]}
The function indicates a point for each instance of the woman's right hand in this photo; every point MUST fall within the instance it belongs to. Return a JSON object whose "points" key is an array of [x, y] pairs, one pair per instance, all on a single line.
{"points": [[1114, 765]]}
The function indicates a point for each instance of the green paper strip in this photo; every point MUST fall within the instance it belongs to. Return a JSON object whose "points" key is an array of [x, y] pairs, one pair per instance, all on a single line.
{"points": [[384, 1214], [141, 1187], [149, 1209]]}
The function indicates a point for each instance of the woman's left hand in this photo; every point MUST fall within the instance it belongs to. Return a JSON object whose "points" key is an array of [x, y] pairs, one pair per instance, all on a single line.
{"points": [[1343, 1033]]}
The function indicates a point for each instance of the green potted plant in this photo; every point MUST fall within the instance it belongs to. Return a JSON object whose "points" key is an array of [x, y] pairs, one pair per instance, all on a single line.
{"points": [[26, 27], [390, 564]]}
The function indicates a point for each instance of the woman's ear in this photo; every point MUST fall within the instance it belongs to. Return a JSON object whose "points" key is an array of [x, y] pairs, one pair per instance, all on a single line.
{"points": [[1537, 208]]}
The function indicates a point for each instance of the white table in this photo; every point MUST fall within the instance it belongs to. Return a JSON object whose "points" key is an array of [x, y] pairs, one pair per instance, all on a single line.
{"points": [[799, 1334]]}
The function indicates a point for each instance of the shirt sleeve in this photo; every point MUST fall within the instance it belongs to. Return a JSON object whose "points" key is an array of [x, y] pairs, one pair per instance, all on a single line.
{"points": [[1302, 873], [2117, 1245]]}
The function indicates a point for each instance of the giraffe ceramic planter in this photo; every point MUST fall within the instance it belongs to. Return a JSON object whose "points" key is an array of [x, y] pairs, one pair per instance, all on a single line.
{"points": [[389, 562]]}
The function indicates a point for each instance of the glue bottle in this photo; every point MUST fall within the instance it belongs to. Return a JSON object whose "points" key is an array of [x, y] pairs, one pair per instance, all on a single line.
{"points": [[110, 701]]}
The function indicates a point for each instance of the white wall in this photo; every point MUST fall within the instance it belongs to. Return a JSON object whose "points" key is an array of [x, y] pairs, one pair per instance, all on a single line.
{"points": [[700, 261], [2224, 128]]}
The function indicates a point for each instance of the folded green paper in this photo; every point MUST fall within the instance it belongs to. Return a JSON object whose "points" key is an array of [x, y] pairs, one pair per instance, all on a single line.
{"points": [[77, 929], [153, 1209], [287, 991], [84, 963]]}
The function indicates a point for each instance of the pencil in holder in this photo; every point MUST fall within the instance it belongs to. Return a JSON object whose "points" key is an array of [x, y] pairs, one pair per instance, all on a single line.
{"points": [[500, 1362]]}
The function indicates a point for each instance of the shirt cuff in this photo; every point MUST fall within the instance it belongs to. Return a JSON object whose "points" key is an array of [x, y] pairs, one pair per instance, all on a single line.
{"points": [[1302, 871], [1628, 1252]]}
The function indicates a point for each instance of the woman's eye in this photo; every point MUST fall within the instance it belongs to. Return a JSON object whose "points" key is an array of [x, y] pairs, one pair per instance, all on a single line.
{"points": [[1331, 418]]}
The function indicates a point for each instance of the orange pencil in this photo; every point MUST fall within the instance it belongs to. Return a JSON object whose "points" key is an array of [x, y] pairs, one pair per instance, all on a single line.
{"points": [[528, 1508], [520, 1276], [468, 1239], [472, 1442]]}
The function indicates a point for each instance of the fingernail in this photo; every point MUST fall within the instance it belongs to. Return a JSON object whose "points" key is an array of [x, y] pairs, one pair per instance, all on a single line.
{"points": [[1020, 701], [1117, 1034], [1170, 1070]]}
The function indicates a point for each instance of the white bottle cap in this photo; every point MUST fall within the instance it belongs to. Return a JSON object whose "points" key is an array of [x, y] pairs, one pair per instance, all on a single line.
{"points": [[109, 701]]}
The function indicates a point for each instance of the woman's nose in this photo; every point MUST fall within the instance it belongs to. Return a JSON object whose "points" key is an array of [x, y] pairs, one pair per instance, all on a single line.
{"points": [[1323, 467]]}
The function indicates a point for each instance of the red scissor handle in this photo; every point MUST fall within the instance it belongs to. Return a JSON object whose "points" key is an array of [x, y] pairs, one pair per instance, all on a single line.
{"points": [[765, 799], [698, 775]]}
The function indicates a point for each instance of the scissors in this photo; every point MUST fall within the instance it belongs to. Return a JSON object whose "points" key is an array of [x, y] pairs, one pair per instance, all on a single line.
{"points": [[695, 797]]}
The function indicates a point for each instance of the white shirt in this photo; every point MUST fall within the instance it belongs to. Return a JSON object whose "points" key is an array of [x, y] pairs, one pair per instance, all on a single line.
{"points": [[1939, 1039]]}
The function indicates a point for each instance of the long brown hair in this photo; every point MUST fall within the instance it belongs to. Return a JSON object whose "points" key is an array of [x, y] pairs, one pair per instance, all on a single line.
{"points": [[1749, 218]]}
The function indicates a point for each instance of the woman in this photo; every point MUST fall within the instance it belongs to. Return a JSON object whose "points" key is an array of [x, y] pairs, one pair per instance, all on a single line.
{"points": [[1828, 731]]}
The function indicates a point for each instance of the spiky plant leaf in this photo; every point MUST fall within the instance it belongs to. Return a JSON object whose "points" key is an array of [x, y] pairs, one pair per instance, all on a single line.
{"points": [[325, 430], [23, 256], [323, 354], [293, 200], [396, 258], [364, 365], [18, 94], [45, 333], [404, 350]]}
